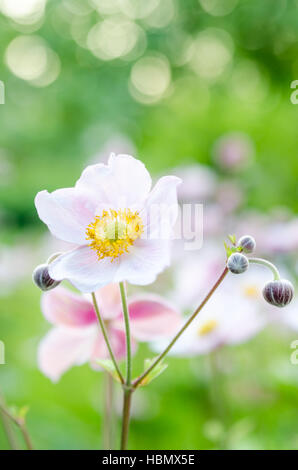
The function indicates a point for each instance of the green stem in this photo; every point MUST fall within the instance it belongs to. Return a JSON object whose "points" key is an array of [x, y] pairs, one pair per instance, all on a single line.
{"points": [[125, 417], [11, 438], [139, 380], [127, 389], [104, 332], [21, 424], [269, 265], [108, 412], [127, 330], [9, 431]]}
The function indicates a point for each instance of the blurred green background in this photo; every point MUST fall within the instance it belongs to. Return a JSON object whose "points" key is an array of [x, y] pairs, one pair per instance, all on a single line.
{"points": [[164, 80]]}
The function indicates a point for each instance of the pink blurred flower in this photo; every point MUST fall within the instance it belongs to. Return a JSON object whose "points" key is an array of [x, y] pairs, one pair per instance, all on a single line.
{"points": [[199, 182], [276, 233], [233, 151], [76, 337], [282, 236], [225, 320], [289, 317], [195, 273], [229, 196], [122, 229]]}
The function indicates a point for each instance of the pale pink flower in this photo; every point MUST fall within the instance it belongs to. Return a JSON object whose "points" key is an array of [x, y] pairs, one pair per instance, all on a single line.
{"points": [[195, 273], [235, 313], [233, 151], [225, 320], [121, 227], [199, 182], [289, 317], [76, 337]]}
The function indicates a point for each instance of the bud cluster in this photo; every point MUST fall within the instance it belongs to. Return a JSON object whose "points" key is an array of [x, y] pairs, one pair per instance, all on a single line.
{"points": [[238, 262], [278, 292]]}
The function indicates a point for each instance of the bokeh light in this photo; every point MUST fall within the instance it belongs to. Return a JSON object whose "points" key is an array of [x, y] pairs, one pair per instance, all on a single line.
{"points": [[137, 9], [162, 15], [150, 78], [115, 38], [218, 7], [23, 11], [31, 59], [211, 53], [248, 82], [106, 7]]}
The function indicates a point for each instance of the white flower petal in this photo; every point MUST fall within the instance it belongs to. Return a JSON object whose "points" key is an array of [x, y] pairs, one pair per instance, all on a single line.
{"points": [[123, 183], [83, 269], [147, 258], [66, 212], [161, 208]]}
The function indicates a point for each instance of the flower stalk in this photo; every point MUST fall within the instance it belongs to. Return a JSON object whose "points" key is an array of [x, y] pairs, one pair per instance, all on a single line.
{"points": [[105, 335], [127, 389], [269, 265], [125, 416], [7, 426], [21, 423], [108, 412]]}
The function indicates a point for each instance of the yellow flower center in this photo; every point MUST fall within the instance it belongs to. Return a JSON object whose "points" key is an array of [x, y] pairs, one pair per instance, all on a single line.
{"points": [[114, 232], [207, 327], [251, 291]]}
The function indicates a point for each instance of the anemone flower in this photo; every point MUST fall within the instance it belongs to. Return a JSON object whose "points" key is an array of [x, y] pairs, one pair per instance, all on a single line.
{"points": [[122, 230], [76, 338]]}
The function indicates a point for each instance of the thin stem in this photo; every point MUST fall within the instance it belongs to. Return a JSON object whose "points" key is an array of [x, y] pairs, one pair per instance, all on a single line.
{"points": [[125, 417], [127, 390], [269, 265], [108, 411], [127, 330], [21, 424], [11, 438], [177, 336], [8, 429], [104, 332]]}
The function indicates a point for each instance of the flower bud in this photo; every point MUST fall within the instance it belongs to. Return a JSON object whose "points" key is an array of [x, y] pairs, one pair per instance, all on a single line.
{"points": [[42, 278], [278, 293], [237, 263], [247, 243]]}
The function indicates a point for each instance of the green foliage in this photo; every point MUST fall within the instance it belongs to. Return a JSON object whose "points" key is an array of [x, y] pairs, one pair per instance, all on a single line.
{"points": [[159, 369], [108, 366]]}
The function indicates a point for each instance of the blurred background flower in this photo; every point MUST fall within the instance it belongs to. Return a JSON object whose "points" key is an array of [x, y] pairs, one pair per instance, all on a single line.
{"points": [[197, 88]]}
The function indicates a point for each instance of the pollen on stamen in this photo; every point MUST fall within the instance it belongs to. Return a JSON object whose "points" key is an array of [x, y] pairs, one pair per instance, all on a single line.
{"points": [[207, 327], [114, 232]]}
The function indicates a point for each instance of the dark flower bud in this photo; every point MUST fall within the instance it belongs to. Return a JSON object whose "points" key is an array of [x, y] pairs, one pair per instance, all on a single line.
{"points": [[237, 263], [42, 278], [247, 243], [278, 293]]}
